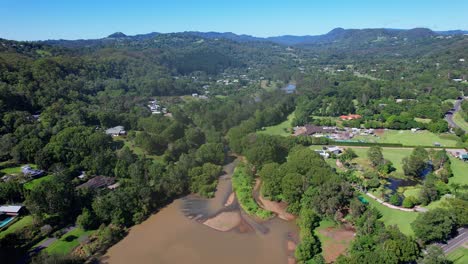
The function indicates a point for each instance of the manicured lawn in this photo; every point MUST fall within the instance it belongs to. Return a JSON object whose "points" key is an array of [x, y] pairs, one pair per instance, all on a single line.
{"points": [[30, 185], [280, 129], [458, 119], [395, 155], [395, 217], [459, 169], [19, 224], [16, 170], [460, 255], [67, 242], [408, 138]]}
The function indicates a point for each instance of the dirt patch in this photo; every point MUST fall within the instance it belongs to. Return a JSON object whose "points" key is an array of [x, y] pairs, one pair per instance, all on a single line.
{"points": [[278, 208], [379, 132], [224, 221], [291, 260], [337, 243], [230, 200]]}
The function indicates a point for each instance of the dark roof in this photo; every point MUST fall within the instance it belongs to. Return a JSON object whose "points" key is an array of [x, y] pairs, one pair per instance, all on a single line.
{"points": [[97, 182], [310, 130]]}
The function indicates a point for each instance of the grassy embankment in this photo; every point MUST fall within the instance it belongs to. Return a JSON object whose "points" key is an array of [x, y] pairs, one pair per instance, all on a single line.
{"points": [[281, 129], [458, 119], [243, 184]]}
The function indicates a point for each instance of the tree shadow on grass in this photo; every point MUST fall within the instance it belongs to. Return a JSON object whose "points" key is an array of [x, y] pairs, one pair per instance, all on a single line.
{"points": [[70, 238]]}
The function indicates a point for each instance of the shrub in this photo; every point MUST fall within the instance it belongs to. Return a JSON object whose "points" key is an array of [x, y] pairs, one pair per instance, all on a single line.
{"points": [[395, 199], [409, 202]]}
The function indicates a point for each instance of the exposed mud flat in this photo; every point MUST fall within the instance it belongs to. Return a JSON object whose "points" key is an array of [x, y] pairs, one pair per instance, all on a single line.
{"points": [[170, 237], [199, 230]]}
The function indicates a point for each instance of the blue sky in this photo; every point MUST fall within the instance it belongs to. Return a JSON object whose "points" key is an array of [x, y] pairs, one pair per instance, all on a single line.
{"points": [[73, 19]]}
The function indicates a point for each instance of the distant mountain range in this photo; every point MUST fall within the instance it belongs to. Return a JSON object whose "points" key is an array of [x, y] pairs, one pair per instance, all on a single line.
{"points": [[335, 35]]}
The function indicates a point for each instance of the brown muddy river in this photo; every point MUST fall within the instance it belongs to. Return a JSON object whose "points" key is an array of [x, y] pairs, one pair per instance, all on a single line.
{"points": [[170, 236]]}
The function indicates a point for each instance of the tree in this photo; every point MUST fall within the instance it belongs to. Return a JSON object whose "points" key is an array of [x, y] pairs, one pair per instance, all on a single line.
{"points": [[203, 179], [375, 156], [348, 155], [409, 202], [87, 220], [271, 181], [292, 188], [416, 163], [434, 226], [210, 152], [308, 248], [51, 197], [395, 199]]}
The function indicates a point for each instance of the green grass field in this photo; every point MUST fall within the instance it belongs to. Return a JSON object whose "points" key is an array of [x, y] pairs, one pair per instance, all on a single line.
{"points": [[394, 155], [19, 224], [459, 255], [67, 242], [30, 185], [395, 217], [16, 170], [408, 138], [459, 169], [458, 119], [280, 129]]}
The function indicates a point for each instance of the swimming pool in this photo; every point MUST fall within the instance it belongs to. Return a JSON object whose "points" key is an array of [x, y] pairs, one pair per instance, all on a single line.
{"points": [[6, 221]]}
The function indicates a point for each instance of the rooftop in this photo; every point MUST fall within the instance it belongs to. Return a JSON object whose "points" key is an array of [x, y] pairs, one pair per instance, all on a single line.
{"points": [[10, 208]]}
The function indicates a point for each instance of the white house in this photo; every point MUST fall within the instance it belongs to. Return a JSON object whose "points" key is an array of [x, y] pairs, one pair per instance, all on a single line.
{"points": [[12, 210], [116, 131], [322, 153]]}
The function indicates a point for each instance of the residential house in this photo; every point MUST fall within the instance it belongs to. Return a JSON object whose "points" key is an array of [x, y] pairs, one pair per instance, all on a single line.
{"points": [[334, 150], [116, 131], [323, 153], [309, 130], [97, 182], [11, 210], [350, 117], [28, 171]]}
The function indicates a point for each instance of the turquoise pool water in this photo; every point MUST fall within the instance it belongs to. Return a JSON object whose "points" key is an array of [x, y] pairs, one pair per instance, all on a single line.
{"points": [[6, 221]]}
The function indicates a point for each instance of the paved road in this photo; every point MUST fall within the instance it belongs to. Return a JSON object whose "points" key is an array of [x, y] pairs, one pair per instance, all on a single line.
{"points": [[449, 118], [456, 242]]}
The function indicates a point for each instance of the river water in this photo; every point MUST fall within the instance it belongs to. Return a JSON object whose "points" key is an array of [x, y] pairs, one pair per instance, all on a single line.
{"points": [[169, 236]]}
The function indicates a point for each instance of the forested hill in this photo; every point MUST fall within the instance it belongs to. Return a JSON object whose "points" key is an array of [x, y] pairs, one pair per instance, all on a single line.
{"points": [[335, 35], [232, 50]]}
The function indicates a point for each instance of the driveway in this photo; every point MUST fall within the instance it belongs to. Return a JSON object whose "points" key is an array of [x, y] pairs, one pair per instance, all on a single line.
{"points": [[449, 118], [455, 242]]}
